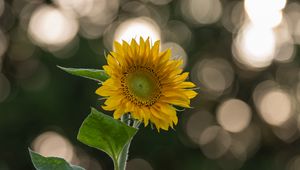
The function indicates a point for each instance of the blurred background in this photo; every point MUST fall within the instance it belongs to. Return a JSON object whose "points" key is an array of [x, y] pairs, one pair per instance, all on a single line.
{"points": [[241, 54]]}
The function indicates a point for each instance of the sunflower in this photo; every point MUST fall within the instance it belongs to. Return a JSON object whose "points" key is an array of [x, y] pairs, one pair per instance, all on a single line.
{"points": [[146, 83]]}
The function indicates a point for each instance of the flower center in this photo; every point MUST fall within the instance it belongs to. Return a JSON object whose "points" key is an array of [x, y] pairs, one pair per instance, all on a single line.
{"points": [[141, 85]]}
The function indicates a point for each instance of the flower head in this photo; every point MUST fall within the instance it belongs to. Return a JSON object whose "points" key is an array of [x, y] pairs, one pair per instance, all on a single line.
{"points": [[146, 83]]}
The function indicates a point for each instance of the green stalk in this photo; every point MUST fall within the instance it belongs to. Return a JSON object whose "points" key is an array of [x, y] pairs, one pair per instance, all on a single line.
{"points": [[120, 164], [124, 156], [116, 166]]}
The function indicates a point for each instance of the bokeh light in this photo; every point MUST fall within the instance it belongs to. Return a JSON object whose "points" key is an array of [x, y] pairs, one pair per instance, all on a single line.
{"points": [[285, 49], [273, 103], [234, 16], [248, 140], [265, 13], [177, 51], [178, 32], [20, 48], [213, 76], [51, 27], [51, 143], [234, 115], [95, 16], [137, 27], [83, 159], [201, 11], [294, 163], [265, 19], [3, 44], [160, 2], [293, 15], [253, 51], [196, 123], [137, 8], [272, 114], [2, 6], [288, 132], [235, 157], [78, 7], [214, 142], [138, 163]]}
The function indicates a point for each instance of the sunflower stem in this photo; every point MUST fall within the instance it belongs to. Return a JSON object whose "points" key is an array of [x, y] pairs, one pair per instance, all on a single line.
{"points": [[123, 157], [116, 165], [136, 124], [122, 161]]}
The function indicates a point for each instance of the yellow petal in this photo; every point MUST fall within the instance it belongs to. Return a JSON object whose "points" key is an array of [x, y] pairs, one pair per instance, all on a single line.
{"points": [[113, 102], [120, 58], [186, 84], [105, 91], [112, 62], [155, 112], [165, 56], [171, 70], [170, 111], [146, 57], [119, 112], [108, 70], [134, 47], [129, 106], [146, 116], [176, 93], [190, 93], [179, 101], [181, 77], [156, 122], [118, 48], [126, 49], [155, 50]]}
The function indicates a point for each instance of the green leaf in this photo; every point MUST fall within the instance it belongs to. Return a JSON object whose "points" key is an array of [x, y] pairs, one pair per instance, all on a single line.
{"points": [[50, 163], [94, 74], [105, 133]]}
